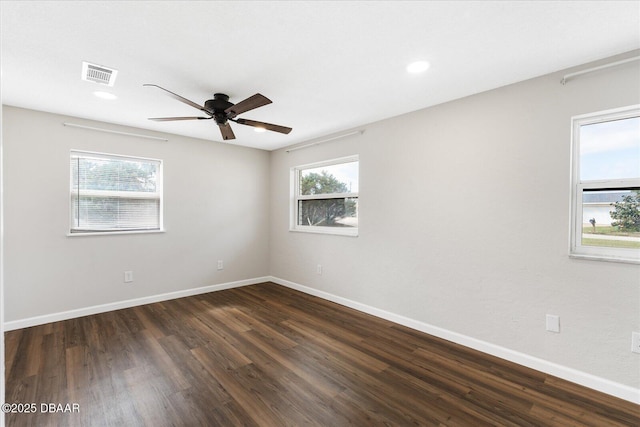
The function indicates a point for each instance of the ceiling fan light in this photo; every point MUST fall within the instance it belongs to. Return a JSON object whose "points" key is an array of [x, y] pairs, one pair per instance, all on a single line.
{"points": [[259, 129], [105, 95], [418, 67]]}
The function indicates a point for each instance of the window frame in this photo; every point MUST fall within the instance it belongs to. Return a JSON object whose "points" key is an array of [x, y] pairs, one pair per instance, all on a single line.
{"points": [[296, 197], [578, 187], [158, 194]]}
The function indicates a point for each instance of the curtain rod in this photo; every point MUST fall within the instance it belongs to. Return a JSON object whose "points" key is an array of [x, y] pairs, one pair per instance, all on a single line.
{"points": [[344, 135], [114, 131], [601, 67]]}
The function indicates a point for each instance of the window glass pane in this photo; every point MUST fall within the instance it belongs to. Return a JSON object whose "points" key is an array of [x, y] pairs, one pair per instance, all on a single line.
{"points": [[115, 213], [610, 150], [611, 218], [113, 174], [337, 178], [328, 212]]}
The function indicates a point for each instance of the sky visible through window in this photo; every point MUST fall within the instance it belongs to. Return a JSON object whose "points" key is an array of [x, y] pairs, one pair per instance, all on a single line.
{"points": [[343, 172], [610, 150]]}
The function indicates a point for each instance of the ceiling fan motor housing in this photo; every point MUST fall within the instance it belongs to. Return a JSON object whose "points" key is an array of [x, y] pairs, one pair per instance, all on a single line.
{"points": [[217, 105]]}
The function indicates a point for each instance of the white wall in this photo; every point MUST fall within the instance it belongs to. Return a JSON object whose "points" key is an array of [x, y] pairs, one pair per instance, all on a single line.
{"points": [[464, 225], [216, 199]]}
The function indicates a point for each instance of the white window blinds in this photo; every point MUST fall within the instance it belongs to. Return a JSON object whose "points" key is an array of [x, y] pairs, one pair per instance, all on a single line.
{"points": [[115, 193]]}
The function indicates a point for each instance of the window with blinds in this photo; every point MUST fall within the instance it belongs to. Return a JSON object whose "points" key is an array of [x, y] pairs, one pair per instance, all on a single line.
{"points": [[111, 193]]}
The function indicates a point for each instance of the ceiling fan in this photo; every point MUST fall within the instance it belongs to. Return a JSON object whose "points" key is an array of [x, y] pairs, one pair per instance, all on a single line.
{"points": [[221, 110]]}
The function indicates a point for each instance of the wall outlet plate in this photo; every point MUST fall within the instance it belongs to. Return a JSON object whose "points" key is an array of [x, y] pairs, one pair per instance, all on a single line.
{"points": [[128, 276], [220, 264], [635, 342], [553, 323]]}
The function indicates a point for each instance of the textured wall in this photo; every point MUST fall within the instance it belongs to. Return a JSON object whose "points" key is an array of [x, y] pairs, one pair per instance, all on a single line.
{"points": [[216, 199], [464, 225]]}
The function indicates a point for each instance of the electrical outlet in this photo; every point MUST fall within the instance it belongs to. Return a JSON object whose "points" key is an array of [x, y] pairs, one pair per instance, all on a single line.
{"points": [[635, 342], [319, 269], [128, 276], [220, 264], [553, 323]]}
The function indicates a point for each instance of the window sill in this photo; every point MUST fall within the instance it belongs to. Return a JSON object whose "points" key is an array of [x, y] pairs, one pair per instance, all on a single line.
{"points": [[350, 232], [111, 233], [605, 258]]}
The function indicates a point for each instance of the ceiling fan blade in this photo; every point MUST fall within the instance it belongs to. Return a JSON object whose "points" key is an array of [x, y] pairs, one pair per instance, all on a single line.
{"points": [[178, 97], [168, 119], [226, 131], [250, 103], [267, 126]]}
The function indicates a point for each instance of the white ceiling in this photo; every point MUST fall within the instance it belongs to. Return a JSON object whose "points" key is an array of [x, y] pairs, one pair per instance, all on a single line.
{"points": [[327, 66]]}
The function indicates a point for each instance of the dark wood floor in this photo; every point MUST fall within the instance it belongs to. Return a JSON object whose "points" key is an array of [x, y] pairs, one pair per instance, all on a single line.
{"points": [[265, 355]]}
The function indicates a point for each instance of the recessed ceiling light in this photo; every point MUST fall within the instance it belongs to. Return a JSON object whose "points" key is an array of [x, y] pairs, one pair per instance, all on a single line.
{"points": [[105, 95], [257, 129], [418, 67]]}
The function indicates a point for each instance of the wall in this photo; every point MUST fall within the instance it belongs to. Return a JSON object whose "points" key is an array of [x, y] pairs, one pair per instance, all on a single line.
{"points": [[215, 207], [464, 225]]}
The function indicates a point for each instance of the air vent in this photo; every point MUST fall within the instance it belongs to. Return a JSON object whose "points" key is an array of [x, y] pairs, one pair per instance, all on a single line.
{"points": [[98, 74]]}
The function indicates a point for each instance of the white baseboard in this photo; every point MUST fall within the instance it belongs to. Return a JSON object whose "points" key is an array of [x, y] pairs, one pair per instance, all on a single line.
{"points": [[102, 308], [603, 385], [612, 388]]}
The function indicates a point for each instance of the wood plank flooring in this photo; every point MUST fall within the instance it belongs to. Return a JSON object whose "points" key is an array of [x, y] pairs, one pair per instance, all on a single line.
{"points": [[265, 355]]}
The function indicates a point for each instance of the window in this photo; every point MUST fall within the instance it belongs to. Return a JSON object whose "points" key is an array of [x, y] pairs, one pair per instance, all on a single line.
{"points": [[325, 197], [112, 193], [606, 185]]}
